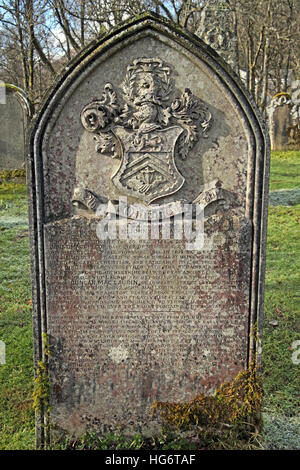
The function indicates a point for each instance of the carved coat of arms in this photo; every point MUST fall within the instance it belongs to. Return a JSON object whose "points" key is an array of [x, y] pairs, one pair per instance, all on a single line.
{"points": [[144, 132]]}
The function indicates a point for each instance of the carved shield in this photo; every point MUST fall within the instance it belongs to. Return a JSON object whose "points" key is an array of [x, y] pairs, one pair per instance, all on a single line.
{"points": [[148, 170]]}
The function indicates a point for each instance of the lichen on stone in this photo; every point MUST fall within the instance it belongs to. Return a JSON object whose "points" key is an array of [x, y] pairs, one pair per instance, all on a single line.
{"points": [[41, 393]]}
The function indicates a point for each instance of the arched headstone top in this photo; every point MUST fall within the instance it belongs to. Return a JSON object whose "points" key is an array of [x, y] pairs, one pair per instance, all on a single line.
{"points": [[280, 99], [20, 95], [134, 29], [216, 85]]}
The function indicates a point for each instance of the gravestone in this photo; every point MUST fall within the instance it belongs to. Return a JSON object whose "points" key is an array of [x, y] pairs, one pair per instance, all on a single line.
{"points": [[284, 121], [148, 200], [279, 114], [14, 115]]}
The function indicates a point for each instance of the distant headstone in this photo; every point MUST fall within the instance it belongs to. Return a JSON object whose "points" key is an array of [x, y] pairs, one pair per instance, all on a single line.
{"points": [[148, 222], [279, 120], [283, 131], [294, 129], [14, 116]]}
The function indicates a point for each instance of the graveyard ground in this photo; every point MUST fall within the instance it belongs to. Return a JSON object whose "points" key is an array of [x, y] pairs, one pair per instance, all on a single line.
{"points": [[281, 322]]}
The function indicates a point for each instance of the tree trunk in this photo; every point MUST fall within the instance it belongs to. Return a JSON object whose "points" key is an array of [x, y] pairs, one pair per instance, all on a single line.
{"points": [[265, 81], [22, 49], [29, 15], [82, 14]]}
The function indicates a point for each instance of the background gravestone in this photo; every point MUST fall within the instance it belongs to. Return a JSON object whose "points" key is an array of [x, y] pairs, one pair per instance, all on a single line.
{"points": [[151, 114], [284, 122], [280, 121], [14, 116]]}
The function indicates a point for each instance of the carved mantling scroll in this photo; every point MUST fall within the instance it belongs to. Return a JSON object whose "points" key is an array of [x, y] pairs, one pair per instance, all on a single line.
{"points": [[144, 132]]}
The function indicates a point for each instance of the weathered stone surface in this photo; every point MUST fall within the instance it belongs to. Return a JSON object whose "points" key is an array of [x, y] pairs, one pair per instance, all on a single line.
{"points": [[14, 116], [132, 321]]}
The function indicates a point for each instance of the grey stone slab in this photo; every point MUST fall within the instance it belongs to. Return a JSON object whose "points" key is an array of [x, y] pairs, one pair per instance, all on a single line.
{"points": [[14, 120], [137, 311], [283, 116]]}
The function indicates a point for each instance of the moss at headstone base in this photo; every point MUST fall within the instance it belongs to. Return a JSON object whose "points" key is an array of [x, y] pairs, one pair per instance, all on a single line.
{"points": [[235, 402], [230, 419]]}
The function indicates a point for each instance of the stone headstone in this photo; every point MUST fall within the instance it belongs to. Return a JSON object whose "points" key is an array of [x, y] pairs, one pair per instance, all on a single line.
{"points": [[279, 114], [14, 116], [284, 121], [143, 132]]}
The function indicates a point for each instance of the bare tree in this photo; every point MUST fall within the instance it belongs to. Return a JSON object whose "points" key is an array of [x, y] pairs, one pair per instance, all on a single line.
{"points": [[38, 37], [267, 32], [22, 31]]}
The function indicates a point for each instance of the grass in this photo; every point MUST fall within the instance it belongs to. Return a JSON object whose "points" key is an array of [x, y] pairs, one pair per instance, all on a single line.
{"points": [[280, 376], [16, 376], [285, 170], [167, 440], [282, 292]]}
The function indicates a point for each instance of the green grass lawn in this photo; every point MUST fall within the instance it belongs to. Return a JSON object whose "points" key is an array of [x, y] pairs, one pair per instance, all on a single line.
{"points": [[285, 170], [282, 299], [282, 294], [16, 376]]}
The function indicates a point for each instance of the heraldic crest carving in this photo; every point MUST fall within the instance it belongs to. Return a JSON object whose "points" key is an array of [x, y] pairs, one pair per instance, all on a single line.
{"points": [[144, 132]]}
